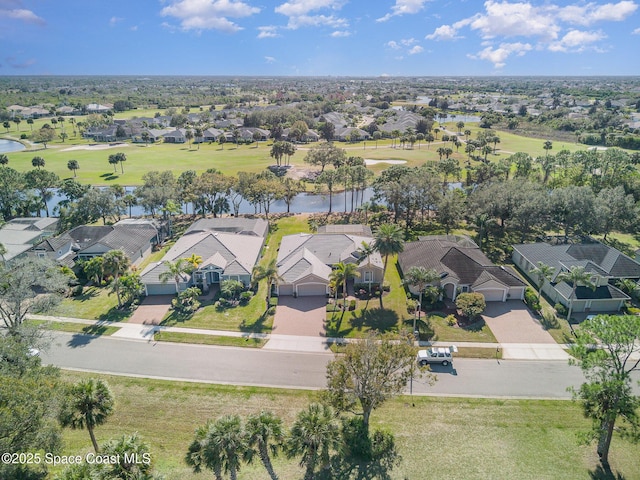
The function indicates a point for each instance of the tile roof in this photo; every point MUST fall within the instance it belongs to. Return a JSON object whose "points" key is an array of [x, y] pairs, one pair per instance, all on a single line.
{"points": [[450, 258]]}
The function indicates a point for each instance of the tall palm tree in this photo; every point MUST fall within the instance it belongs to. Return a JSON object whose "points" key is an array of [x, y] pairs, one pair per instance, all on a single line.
{"points": [[175, 270], [121, 157], [88, 404], [127, 446], [116, 263], [342, 272], [313, 435], [388, 240], [420, 277], [265, 433], [543, 273], [576, 275], [202, 454], [228, 439], [73, 165], [194, 261], [113, 160], [268, 272], [365, 251]]}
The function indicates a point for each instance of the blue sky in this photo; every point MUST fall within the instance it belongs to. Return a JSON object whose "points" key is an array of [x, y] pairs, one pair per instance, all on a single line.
{"points": [[319, 37]]}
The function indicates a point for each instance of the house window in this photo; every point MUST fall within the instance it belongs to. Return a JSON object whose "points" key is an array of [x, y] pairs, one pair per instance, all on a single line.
{"points": [[41, 254], [465, 288], [368, 277]]}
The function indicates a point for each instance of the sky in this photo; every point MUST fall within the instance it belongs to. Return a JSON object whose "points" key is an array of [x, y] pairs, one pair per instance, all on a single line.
{"points": [[319, 37]]}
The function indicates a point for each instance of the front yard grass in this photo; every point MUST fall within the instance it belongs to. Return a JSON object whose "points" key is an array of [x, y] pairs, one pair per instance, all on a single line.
{"points": [[471, 439], [93, 304], [179, 337], [442, 332]]}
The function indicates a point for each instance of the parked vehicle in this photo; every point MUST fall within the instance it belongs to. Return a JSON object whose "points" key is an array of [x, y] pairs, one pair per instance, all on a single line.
{"points": [[441, 355]]}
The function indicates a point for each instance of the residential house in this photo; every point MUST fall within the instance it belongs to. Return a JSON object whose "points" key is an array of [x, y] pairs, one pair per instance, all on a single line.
{"points": [[350, 134], [462, 267], [175, 136], [19, 235], [606, 264], [305, 261], [229, 248], [102, 134]]}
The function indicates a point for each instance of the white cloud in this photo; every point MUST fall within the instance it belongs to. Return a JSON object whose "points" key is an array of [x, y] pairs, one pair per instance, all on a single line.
{"points": [[295, 8], [113, 21], [268, 31], [403, 7], [10, 9], [415, 50], [316, 21], [498, 56], [341, 33], [298, 12], [269, 59], [134, 28], [576, 41], [514, 20], [592, 13], [393, 44], [209, 14], [408, 41], [444, 32], [636, 31]]}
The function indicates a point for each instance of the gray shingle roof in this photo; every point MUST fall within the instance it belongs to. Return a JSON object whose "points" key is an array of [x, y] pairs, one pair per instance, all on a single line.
{"points": [[585, 293], [450, 258], [238, 225], [599, 258]]}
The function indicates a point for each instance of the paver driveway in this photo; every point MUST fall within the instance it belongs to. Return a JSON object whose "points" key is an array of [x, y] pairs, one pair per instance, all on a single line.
{"points": [[152, 310], [512, 322], [303, 316]]}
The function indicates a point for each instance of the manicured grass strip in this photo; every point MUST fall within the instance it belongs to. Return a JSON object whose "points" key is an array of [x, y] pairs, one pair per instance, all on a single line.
{"points": [[75, 327], [180, 337], [93, 304], [470, 439], [478, 352], [477, 332]]}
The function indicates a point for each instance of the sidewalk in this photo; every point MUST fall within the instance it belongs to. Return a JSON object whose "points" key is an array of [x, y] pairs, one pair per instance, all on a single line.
{"points": [[299, 343]]}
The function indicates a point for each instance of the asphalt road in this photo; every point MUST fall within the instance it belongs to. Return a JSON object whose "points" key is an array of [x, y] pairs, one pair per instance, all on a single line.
{"points": [[246, 366]]}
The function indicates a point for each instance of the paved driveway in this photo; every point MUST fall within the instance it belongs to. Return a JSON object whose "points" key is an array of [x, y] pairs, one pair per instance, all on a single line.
{"points": [[152, 310], [303, 316], [512, 322]]}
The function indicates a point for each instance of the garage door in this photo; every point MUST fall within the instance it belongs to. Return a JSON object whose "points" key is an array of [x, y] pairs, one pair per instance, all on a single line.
{"points": [[309, 289], [492, 295], [168, 288]]}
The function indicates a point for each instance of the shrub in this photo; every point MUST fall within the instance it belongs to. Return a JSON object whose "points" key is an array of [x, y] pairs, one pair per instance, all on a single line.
{"points": [[77, 291], [352, 305], [187, 301], [273, 301], [471, 304], [386, 287], [245, 297], [451, 320], [531, 299], [271, 311], [412, 305], [560, 309]]}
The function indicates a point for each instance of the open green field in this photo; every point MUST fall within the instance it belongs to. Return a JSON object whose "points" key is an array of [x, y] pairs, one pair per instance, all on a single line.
{"points": [[460, 438], [95, 169], [93, 304]]}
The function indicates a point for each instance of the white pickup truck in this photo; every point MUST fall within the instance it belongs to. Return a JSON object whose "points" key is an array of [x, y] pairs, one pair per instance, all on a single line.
{"points": [[441, 355]]}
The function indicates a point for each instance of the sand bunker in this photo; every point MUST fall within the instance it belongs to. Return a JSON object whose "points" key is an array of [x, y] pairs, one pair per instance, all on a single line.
{"points": [[368, 161], [99, 146]]}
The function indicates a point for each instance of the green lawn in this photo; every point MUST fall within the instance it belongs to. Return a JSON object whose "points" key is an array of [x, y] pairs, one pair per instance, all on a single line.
{"points": [[442, 332], [74, 327], [179, 337], [467, 439], [94, 304]]}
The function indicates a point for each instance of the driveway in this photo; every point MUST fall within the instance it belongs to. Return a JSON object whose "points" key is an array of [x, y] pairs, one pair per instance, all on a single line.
{"points": [[303, 316], [152, 310]]}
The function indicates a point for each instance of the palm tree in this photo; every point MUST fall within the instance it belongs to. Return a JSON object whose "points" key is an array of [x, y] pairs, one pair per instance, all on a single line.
{"points": [[113, 160], [388, 240], [127, 447], [202, 453], [268, 272], [116, 263], [542, 273], [313, 435], [628, 286], [88, 404], [130, 200], [420, 277], [194, 261], [265, 432], [365, 251], [175, 270], [548, 145], [342, 272], [121, 157], [37, 162], [482, 221], [188, 134], [73, 165], [229, 441], [576, 275]]}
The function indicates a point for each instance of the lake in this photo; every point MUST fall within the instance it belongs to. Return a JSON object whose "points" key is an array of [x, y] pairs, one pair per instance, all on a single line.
{"points": [[7, 146]]}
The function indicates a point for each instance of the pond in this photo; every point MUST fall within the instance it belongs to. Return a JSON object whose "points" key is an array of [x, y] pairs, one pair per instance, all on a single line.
{"points": [[7, 146], [303, 203]]}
